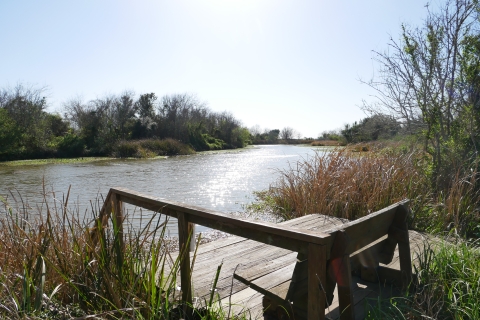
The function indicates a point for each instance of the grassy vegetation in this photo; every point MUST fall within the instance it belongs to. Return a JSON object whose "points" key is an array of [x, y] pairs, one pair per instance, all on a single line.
{"points": [[147, 148], [37, 162], [448, 286], [58, 264], [326, 143]]}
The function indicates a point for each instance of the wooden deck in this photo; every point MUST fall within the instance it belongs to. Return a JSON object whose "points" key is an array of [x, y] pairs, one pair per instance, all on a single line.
{"points": [[270, 268]]}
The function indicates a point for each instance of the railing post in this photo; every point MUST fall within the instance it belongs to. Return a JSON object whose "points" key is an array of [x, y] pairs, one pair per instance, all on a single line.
{"points": [[185, 229], [118, 210], [317, 277]]}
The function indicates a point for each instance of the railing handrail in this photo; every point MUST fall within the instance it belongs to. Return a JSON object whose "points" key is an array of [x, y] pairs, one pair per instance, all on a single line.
{"points": [[217, 220]]}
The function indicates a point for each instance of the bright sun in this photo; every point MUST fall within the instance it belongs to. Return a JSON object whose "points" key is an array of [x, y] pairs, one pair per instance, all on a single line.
{"points": [[233, 5]]}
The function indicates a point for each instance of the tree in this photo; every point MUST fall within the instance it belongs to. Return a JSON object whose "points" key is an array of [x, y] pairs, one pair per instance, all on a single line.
{"points": [[377, 126], [145, 124], [179, 114], [146, 105], [9, 134], [424, 83], [125, 110], [26, 106], [241, 137], [224, 128], [287, 133], [336, 135], [94, 122], [55, 125], [273, 136]]}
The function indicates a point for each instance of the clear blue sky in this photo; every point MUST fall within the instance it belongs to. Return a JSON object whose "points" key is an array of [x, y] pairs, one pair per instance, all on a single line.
{"points": [[274, 63]]}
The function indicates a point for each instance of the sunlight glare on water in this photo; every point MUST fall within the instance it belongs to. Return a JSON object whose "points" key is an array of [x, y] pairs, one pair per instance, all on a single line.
{"points": [[222, 181]]}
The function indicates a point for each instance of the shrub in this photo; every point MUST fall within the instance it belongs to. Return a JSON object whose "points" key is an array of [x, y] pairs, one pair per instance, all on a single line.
{"points": [[150, 148], [126, 149], [166, 147], [70, 146], [214, 143], [326, 143]]}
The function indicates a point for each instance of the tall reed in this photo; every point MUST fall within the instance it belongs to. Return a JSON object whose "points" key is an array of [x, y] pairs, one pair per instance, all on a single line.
{"points": [[56, 263], [346, 184], [350, 185]]}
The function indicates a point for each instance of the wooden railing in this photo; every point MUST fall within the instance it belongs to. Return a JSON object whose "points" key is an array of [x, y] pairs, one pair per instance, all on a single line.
{"points": [[337, 250], [316, 246]]}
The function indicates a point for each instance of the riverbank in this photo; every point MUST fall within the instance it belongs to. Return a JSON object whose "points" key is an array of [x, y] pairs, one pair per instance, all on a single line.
{"points": [[87, 159], [39, 162]]}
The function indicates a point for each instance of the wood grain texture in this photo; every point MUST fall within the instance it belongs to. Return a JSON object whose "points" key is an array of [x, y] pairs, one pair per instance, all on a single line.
{"points": [[269, 233], [317, 260], [339, 266], [404, 246], [366, 230], [118, 211], [184, 234]]}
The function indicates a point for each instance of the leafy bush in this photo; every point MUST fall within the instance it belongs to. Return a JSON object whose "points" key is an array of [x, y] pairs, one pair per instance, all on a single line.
{"points": [[214, 143], [70, 146], [126, 149]]}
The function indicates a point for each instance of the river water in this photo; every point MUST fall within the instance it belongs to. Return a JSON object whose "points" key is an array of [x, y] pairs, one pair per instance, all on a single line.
{"points": [[222, 181]]}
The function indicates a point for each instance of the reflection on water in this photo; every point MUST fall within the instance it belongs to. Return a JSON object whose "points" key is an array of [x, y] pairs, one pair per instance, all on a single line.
{"points": [[222, 181]]}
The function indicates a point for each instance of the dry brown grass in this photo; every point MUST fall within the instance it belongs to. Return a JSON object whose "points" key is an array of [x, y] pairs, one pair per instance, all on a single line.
{"points": [[350, 184], [346, 184], [325, 143]]}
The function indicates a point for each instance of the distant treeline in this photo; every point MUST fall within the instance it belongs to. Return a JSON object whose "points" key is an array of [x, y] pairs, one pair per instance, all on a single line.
{"points": [[114, 125], [375, 127]]}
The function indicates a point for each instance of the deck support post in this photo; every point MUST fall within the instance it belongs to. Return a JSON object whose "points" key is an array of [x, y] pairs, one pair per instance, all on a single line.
{"points": [[185, 230], [317, 277], [400, 223], [339, 269]]}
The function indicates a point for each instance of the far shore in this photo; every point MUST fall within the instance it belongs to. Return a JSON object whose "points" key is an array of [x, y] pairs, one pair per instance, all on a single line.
{"points": [[37, 162]]}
